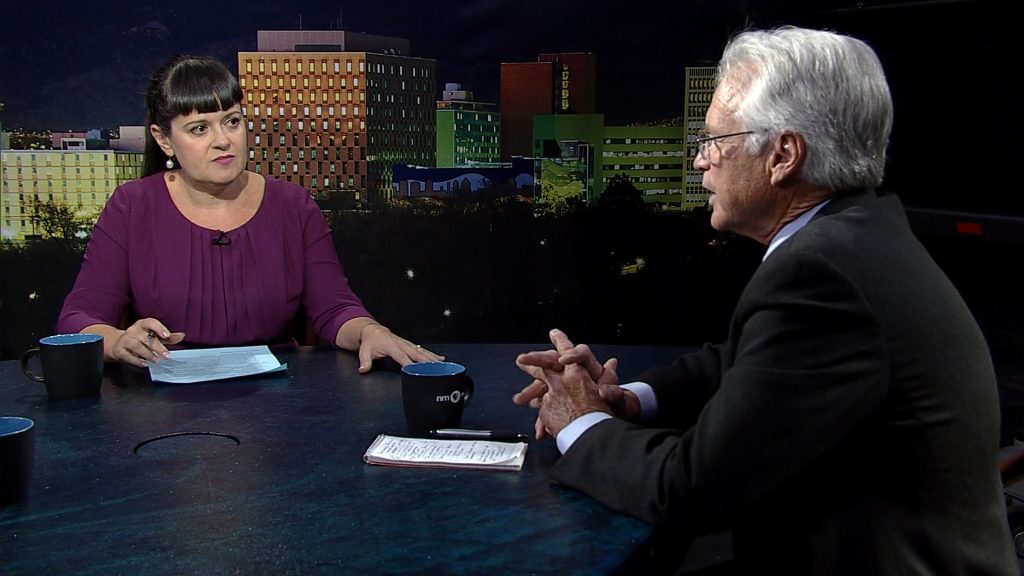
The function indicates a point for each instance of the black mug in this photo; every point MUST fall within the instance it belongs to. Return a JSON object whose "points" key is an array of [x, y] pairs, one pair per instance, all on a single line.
{"points": [[17, 449], [434, 395], [72, 364]]}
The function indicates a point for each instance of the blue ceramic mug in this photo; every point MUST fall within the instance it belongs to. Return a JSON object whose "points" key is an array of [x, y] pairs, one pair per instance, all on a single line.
{"points": [[72, 364], [434, 395]]}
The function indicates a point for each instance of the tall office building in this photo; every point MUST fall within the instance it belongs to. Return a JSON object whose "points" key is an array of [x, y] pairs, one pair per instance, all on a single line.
{"points": [[334, 110], [468, 132], [700, 86], [563, 83]]}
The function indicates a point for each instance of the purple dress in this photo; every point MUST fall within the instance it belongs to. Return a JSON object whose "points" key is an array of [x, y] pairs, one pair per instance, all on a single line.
{"points": [[146, 258]]}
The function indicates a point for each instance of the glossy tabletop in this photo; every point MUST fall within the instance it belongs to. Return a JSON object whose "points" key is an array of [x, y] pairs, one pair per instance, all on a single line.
{"points": [[265, 476]]}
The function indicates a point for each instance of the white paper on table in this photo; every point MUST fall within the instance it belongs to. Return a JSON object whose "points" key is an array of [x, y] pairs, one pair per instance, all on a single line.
{"points": [[203, 365], [429, 453]]}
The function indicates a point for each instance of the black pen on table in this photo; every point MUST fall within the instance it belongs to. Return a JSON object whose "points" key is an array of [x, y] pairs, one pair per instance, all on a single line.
{"points": [[467, 434]]}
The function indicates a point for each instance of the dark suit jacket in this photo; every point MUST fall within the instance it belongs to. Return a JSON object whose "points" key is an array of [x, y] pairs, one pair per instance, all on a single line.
{"points": [[849, 425]]}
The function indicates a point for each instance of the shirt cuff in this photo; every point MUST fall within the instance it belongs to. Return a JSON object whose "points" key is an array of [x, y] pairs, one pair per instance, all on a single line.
{"points": [[648, 401], [576, 428]]}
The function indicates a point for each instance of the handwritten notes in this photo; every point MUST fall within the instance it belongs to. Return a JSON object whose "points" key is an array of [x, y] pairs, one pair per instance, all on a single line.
{"points": [[480, 454]]}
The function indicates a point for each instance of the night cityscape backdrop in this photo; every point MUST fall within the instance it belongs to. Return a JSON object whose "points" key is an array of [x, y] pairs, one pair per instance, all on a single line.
{"points": [[82, 65], [79, 66], [487, 269]]}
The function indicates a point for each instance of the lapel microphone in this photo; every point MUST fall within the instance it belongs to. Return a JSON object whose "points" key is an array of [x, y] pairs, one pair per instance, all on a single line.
{"points": [[221, 239]]}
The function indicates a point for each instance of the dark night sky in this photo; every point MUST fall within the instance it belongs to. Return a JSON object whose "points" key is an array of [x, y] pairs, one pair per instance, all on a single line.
{"points": [[76, 66]]}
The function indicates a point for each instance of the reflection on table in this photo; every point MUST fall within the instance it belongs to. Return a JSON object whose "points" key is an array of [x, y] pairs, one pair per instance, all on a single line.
{"points": [[274, 480]]}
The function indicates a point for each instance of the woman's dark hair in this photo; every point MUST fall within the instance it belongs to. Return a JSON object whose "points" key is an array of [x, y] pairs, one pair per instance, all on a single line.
{"points": [[184, 85]]}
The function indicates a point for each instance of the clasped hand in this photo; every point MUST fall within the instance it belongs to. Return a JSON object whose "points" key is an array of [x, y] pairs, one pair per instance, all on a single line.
{"points": [[569, 382]]}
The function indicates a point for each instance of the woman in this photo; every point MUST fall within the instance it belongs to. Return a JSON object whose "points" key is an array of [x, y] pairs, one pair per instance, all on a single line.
{"points": [[206, 253]]}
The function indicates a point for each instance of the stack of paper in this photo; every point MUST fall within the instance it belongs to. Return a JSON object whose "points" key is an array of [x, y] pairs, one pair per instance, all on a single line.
{"points": [[398, 451]]}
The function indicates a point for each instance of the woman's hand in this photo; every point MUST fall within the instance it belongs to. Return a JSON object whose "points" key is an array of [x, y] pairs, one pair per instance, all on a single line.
{"points": [[143, 343], [376, 341]]}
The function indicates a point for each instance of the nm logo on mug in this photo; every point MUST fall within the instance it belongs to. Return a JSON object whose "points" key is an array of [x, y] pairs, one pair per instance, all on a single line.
{"points": [[454, 397], [434, 394]]}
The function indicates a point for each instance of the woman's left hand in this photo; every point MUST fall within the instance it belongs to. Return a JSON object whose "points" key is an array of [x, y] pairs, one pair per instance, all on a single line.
{"points": [[378, 342]]}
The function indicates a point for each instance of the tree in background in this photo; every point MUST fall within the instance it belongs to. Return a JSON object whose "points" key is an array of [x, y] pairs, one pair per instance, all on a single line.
{"points": [[58, 221], [620, 195]]}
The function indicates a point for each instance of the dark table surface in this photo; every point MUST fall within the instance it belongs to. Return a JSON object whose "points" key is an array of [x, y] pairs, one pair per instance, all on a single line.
{"points": [[293, 495]]}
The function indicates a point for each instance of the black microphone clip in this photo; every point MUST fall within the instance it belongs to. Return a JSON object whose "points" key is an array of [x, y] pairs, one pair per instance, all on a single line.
{"points": [[221, 239]]}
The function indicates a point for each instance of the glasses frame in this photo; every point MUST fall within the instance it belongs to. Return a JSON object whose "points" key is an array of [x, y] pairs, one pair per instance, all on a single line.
{"points": [[704, 142]]}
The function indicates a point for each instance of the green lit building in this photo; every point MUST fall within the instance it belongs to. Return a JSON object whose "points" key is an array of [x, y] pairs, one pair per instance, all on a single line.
{"points": [[468, 132], [573, 142], [652, 157]]}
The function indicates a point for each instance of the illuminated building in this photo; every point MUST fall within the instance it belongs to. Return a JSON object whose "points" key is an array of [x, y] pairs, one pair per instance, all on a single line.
{"points": [[580, 148], [334, 110], [468, 132], [81, 180], [653, 158], [554, 84]]}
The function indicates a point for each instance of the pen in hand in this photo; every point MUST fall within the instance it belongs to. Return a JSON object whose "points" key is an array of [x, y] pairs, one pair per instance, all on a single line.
{"points": [[467, 434]]}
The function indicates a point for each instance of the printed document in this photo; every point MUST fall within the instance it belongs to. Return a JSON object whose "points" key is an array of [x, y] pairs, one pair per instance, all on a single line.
{"points": [[204, 365]]}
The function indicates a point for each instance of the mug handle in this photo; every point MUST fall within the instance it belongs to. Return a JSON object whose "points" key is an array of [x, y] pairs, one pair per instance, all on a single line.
{"points": [[469, 390], [24, 364]]}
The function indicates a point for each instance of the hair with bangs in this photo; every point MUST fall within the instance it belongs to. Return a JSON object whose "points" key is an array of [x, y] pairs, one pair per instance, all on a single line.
{"points": [[185, 85], [828, 88]]}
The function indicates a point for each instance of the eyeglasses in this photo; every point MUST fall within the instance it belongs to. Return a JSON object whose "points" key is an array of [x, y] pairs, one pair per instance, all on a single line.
{"points": [[704, 141]]}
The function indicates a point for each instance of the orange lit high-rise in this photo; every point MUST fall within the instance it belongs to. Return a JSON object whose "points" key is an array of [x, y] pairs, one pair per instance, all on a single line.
{"points": [[334, 110]]}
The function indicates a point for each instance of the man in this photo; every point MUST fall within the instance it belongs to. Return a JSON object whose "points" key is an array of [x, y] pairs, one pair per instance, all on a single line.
{"points": [[849, 424]]}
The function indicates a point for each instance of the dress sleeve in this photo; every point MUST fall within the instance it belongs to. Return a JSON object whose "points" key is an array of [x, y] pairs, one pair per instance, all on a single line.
{"points": [[101, 292], [327, 297]]}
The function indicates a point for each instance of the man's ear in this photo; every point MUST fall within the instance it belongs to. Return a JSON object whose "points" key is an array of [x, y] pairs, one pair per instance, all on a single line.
{"points": [[161, 139], [786, 158]]}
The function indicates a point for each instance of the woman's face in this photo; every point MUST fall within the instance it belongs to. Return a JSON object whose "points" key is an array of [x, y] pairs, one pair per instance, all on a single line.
{"points": [[211, 148]]}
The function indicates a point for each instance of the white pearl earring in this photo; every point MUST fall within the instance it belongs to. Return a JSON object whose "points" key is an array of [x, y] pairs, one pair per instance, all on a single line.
{"points": [[169, 163]]}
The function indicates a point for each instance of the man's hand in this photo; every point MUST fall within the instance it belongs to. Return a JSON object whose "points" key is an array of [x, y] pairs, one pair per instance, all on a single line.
{"points": [[566, 385], [623, 403]]}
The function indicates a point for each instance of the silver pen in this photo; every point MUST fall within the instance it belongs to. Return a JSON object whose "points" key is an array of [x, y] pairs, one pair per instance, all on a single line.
{"points": [[467, 434]]}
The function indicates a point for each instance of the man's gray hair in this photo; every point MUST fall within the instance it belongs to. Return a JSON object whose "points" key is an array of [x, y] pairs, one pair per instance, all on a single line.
{"points": [[828, 88]]}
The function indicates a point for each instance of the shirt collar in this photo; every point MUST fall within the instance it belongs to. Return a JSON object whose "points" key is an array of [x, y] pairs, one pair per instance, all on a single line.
{"points": [[792, 228]]}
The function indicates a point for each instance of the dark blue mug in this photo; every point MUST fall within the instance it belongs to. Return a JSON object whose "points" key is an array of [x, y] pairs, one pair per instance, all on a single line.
{"points": [[72, 364], [17, 450], [434, 395]]}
